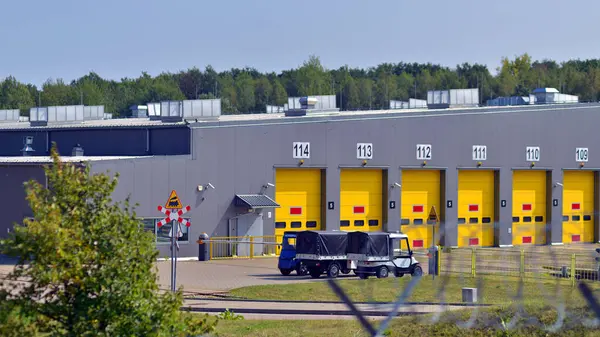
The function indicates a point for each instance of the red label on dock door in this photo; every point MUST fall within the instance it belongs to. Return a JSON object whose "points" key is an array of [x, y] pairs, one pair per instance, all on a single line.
{"points": [[474, 242], [418, 209], [527, 207], [295, 210], [526, 239], [417, 244], [575, 206], [576, 238], [359, 209], [473, 208]]}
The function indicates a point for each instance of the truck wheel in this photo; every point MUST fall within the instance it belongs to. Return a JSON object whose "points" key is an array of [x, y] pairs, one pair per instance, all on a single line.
{"points": [[285, 271], [315, 272], [363, 276], [302, 270], [417, 271], [333, 270], [382, 272]]}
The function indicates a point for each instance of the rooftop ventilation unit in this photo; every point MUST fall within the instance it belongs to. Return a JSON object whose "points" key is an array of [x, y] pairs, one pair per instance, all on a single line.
{"points": [[10, 116], [27, 150], [153, 111], [42, 116], [301, 106], [93, 112]]}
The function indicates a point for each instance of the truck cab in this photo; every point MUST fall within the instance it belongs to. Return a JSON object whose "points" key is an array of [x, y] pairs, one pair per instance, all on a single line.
{"points": [[287, 257], [379, 253]]}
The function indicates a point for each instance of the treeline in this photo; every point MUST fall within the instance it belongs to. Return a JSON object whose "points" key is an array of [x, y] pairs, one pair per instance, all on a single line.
{"points": [[248, 90]]}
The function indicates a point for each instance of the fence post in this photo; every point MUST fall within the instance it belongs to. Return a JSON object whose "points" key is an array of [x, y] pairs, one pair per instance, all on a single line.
{"points": [[522, 264], [210, 249], [573, 270], [473, 273], [439, 261], [251, 247]]}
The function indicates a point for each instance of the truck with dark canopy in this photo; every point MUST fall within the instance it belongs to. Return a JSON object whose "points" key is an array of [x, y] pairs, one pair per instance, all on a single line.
{"points": [[378, 253], [323, 252]]}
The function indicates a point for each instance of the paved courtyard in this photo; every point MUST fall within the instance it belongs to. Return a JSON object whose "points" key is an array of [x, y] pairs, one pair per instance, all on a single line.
{"points": [[223, 275]]}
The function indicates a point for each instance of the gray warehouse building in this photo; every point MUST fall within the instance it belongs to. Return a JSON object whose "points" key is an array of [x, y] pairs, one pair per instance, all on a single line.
{"points": [[496, 176]]}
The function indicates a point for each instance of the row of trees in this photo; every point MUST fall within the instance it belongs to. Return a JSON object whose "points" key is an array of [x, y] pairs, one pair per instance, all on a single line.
{"points": [[247, 90]]}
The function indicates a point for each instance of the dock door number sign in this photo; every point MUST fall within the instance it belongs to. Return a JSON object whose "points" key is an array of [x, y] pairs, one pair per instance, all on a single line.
{"points": [[301, 150], [364, 151], [423, 151]]}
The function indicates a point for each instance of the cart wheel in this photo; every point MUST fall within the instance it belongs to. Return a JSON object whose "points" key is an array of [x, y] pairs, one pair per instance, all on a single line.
{"points": [[333, 270], [285, 271], [302, 270], [314, 272], [398, 274], [417, 271], [363, 276], [382, 272]]}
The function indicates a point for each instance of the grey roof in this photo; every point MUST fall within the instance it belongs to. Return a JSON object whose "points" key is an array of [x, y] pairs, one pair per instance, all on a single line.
{"points": [[280, 118], [255, 201], [65, 159]]}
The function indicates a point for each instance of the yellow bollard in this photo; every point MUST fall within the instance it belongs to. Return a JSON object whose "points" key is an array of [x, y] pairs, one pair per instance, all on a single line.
{"points": [[251, 247]]}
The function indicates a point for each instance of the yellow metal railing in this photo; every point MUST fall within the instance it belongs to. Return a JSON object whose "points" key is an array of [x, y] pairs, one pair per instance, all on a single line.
{"points": [[248, 247], [520, 263]]}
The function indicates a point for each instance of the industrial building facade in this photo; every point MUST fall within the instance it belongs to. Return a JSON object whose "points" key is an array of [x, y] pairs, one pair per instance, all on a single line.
{"points": [[496, 176]]}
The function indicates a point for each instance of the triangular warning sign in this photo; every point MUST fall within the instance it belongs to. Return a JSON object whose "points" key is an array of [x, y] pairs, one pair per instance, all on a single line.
{"points": [[433, 215], [173, 202]]}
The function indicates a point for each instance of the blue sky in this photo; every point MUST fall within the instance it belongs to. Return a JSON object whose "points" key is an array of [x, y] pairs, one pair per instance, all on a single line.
{"points": [[68, 38]]}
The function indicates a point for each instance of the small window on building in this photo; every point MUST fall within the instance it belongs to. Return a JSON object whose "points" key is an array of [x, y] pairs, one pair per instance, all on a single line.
{"points": [[296, 224], [417, 221], [587, 218], [473, 220], [516, 219], [539, 218], [344, 223], [162, 233], [576, 217], [373, 223], [461, 220], [405, 221], [311, 224], [565, 218], [486, 219], [359, 223], [280, 224], [149, 225], [526, 219]]}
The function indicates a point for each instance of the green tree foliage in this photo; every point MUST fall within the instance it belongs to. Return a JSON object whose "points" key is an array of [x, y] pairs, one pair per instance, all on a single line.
{"points": [[88, 263], [247, 90]]}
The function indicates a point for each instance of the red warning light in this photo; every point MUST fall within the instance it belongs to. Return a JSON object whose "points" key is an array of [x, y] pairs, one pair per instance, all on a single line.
{"points": [[576, 206], [473, 208], [359, 209], [295, 210], [418, 209], [527, 207]]}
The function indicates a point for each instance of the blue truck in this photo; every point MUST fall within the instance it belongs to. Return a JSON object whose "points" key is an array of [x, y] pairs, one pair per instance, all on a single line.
{"points": [[287, 257]]}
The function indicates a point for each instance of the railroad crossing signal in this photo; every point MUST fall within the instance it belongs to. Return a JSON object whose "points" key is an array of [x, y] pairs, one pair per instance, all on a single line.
{"points": [[174, 216], [173, 202], [433, 216]]}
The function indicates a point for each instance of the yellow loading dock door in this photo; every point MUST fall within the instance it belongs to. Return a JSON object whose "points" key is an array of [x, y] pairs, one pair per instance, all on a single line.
{"points": [[476, 208], [578, 206], [529, 207], [361, 199], [420, 191], [298, 191]]}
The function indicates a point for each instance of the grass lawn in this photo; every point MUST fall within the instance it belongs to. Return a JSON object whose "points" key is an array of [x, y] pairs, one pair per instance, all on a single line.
{"points": [[492, 290], [488, 323], [540, 299]]}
